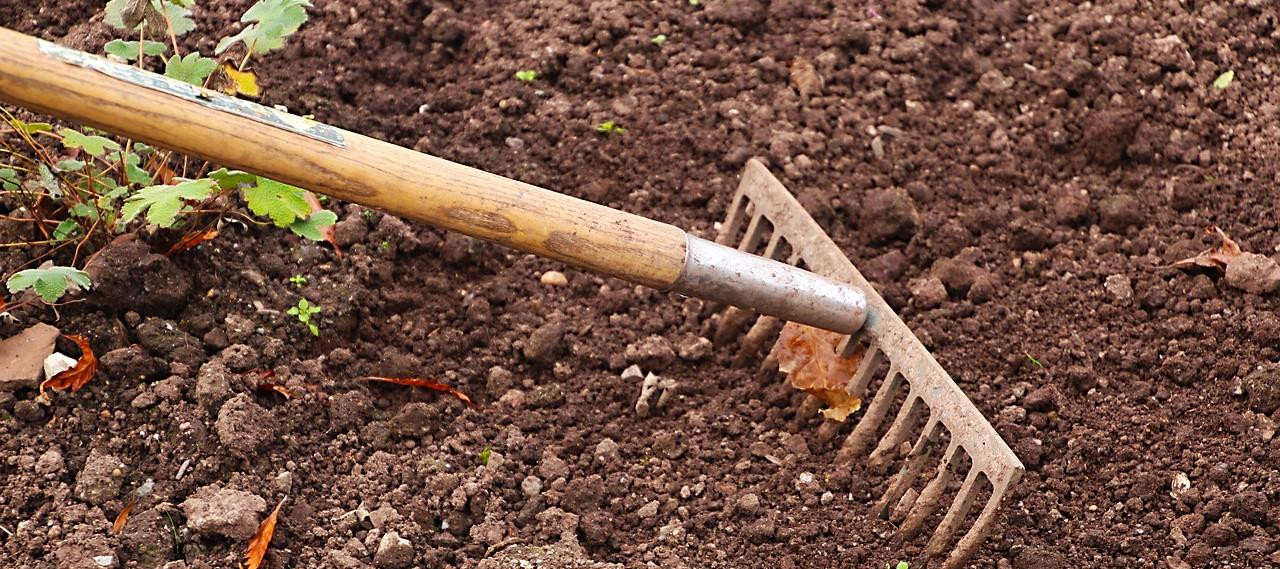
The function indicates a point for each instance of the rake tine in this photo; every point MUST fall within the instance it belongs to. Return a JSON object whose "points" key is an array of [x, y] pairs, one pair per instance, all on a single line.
{"points": [[954, 516], [928, 500], [896, 435], [974, 537], [861, 436], [910, 471], [765, 328], [861, 378], [730, 226]]}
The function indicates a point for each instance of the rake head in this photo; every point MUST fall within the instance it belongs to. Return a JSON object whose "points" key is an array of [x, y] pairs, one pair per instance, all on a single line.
{"points": [[949, 438]]}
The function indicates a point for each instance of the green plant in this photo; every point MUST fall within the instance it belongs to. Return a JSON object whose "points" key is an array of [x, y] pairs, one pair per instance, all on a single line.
{"points": [[1223, 81], [659, 39], [50, 283], [298, 280], [1033, 360], [610, 127], [900, 565], [81, 188], [304, 311], [528, 75], [484, 456]]}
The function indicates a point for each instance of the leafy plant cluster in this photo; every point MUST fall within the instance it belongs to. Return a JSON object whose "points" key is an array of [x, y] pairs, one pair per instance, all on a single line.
{"points": [[80, 188]]}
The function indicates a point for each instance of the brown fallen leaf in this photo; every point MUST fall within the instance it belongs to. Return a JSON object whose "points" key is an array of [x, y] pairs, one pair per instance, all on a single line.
{"points": [[191, 240], [805, 77], [123, 517], [276, 387], [258, 545], [77, 376], [425, 384], [236, 82], [1213, 258], [808, 356], [327, 232]]}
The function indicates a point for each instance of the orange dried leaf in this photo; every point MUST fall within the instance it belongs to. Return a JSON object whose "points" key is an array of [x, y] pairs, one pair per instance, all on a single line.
{"points": [[328, 231], [1214, 258], [282, 390], [191, 240], [258, 545], [78, 375], [425, 384], [809, 358], [123, 517]]}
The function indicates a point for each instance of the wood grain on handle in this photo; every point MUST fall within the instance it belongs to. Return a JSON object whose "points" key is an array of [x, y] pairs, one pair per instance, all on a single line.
{"points": [[366, 171]]}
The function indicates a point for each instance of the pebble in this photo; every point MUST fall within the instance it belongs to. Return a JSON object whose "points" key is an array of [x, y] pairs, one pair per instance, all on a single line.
{"points": [[1119, 287], [97, 482], [531, 486], [927, 292], [50, 462], [606, 452], [394, 552], [545, 344], [749, 504], [553, 467], [554, 278], [1251, 272], [889, 215], [693, 348], [648, 510], [806, 482], [1262, 385], [214, 510]]}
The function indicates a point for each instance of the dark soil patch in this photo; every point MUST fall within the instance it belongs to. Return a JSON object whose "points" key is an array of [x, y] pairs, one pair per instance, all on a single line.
{"points": [[1059, 153]]}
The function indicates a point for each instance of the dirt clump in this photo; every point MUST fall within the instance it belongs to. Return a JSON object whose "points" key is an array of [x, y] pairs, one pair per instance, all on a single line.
{"points": [[1262, 386], [888, 215], [217, 511]]}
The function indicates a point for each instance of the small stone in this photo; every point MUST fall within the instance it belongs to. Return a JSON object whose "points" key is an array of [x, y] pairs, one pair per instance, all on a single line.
{"points": [[394, 552], [163, 336], [648, 510], [245, 426], [545, 344], [214, 510], [606, 452], [1251, 272], [554, 278], [806, 482], [669, 444], [98, 482], [50, 462], [1220, 535], [531, 486], [1043, 399], [693, 348], [633, 373], [748, 504], [928, 292], [28, 411], [1119, 287], [1118, 213], [1262, 385], [889, 215], [553, 467], [653, 353]]}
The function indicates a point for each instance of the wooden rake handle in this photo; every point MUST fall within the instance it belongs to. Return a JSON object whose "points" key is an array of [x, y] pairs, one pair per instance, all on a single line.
{"points": [[143, 106]]}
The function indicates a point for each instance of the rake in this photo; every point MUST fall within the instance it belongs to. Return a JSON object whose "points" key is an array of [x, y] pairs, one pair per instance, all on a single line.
{"points": [[798, 275]]}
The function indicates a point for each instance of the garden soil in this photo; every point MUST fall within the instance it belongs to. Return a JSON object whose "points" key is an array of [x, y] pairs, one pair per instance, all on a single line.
{"points": [[1045, 160]]}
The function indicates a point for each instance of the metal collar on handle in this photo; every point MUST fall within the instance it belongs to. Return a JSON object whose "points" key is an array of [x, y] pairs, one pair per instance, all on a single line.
{"points": [[715, 272]]}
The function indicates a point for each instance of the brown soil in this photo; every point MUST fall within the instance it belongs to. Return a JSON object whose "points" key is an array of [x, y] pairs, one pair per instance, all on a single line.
{"points": [[1053, 152]]}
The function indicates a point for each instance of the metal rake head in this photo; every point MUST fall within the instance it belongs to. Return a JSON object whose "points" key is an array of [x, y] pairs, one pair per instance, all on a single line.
{"points": [[932, 412]]}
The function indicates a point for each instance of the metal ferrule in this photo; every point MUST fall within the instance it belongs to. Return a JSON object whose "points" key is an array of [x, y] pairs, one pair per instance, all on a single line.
{"points": [[715, 272]]}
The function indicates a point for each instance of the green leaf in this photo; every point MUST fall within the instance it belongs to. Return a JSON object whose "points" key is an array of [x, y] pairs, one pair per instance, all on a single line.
{"points": [[232, 179], [283, 203], [8, 179], [84, 210], [179, 15], [133, 173], [50, 283], [610, 127], [128, 50], [484, 456], [1223, 81], [162, 203], [659, 39], [65, 229], [49, 182], [95, 145], [69, 165], [30, 128], [528, 75], [274, 20], [311, 227], [191, 68]]}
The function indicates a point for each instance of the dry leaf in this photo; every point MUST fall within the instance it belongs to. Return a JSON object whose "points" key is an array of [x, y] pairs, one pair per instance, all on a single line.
{"points": [[282, 390], [808, 356], [805, 77], [76, 377], [123, 517], [191, 240], [1214, 258], [425, 384], [238, 82], [328, 231], [258, 545]]}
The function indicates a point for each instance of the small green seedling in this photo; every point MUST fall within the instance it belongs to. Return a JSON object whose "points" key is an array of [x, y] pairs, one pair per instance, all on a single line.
{"points": [[610, 127], [298, 280], [50, 283], [484, 456], [1223, 81], [304, 311], [528, 75], [659, 39], [695, 2], [900, 565], [1033, 360]]}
